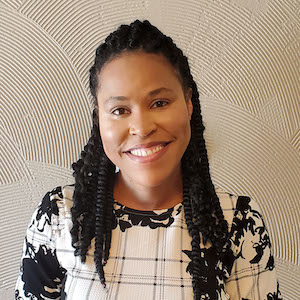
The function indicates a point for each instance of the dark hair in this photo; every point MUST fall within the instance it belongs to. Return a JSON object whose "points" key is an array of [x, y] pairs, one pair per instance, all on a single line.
{"points": [[94, 173]]}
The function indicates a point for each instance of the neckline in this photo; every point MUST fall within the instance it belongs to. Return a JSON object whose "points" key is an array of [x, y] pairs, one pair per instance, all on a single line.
{"points": [[154, 212]]}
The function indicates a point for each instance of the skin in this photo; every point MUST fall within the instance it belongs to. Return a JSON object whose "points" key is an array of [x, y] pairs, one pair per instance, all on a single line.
{"points": [[141, 118]]}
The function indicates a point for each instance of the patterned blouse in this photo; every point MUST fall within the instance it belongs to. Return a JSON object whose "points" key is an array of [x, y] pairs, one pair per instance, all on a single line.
{"points": [[150, 256]]}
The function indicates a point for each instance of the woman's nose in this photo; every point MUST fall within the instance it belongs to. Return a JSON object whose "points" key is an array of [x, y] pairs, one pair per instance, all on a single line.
{"points": [[142, 125]]}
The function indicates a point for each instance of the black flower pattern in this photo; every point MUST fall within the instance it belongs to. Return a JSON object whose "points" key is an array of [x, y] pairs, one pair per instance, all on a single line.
{"points": [[276, 295], [249, 235], [212, 274], [46, 209], [43, 269], [126, 217], [42, 274]]}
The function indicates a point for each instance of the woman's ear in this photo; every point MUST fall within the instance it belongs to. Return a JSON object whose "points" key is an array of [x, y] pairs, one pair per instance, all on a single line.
{"points": [[188, 98]]}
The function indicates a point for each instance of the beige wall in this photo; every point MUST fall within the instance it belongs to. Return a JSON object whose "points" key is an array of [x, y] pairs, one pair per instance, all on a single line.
{"points": [[244, 55]]}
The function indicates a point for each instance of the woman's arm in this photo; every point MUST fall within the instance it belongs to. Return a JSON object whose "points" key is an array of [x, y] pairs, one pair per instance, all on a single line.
{"points": [[253, 275], [41, 275]]}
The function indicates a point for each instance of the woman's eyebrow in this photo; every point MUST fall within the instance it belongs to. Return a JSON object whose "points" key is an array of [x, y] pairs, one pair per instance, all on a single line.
{"points": [[151, 93], [157, 91]]}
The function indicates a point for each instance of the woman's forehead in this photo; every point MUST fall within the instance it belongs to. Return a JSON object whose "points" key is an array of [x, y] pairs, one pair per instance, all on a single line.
{"points": [[133, 71]]}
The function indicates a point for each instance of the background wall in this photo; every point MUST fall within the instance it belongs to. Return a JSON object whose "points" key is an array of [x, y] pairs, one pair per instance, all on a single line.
{"points": [[244, 55]]}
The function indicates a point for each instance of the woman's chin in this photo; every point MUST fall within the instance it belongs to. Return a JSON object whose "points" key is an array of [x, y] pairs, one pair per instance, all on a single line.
{"points": [[149, 181], [146, 178]]}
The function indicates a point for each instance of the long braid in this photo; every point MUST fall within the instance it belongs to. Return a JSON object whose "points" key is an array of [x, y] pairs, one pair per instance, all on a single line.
{"points": [[94, 173], [108, 216], [200, 201], [219, 234], [94, 177], [102, 201], [83, 217]]}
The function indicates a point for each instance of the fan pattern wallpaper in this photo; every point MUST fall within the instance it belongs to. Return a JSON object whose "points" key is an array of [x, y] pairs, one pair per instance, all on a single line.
{"points": [[244, 56]]}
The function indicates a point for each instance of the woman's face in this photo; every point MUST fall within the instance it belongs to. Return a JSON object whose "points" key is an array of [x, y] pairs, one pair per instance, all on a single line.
{"points": [[144, 117]]}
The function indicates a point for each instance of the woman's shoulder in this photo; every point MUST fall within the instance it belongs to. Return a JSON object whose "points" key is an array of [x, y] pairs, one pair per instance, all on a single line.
{"points": [[58, 193], [237, 206], [55, 204]]}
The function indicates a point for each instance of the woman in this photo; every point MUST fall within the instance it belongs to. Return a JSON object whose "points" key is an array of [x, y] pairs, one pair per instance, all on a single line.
{"points": [[157, 228]]}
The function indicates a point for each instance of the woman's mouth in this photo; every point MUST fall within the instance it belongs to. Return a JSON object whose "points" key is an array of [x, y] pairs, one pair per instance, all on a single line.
{"points": [[150, 154], [147, 152]]}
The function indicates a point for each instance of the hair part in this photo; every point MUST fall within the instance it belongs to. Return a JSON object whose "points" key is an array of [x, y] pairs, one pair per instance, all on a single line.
{"points": [[94, 173]]}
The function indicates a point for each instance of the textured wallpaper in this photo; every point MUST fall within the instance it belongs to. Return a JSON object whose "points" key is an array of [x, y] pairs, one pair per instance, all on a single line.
{"points": [[244, 56]]}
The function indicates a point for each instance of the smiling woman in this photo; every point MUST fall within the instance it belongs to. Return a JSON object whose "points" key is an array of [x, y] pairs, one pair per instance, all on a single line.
{"points": [[157, 228], [153, 116]]}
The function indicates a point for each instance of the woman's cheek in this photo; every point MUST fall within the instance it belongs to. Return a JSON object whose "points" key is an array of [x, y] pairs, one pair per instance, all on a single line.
{"points": [[113, 135], [183, 125]]}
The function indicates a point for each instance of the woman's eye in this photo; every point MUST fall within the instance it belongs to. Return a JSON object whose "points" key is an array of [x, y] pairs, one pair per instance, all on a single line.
{"points": [[119, 111], [160, 103]]}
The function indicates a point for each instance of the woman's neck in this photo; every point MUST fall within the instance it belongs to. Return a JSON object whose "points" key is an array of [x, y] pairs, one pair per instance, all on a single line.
{"points": [[135, 196]]}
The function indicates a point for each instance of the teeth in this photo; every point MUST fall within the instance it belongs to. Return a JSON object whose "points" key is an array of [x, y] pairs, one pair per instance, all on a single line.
{"points": [[143, 152]]}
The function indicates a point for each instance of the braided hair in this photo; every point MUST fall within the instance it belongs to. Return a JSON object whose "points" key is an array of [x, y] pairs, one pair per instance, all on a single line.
{"points": [[95, 174]]}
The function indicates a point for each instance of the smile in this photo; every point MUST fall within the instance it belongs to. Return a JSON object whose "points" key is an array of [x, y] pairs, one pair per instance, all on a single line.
{"points": [[147, 152], [147, 155]]}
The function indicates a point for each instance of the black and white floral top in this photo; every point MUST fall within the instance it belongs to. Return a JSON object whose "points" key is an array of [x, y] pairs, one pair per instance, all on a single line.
{"points": [[149, 258]]}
